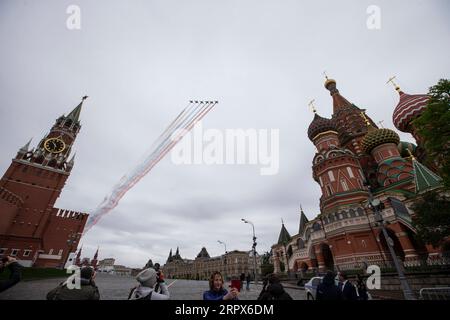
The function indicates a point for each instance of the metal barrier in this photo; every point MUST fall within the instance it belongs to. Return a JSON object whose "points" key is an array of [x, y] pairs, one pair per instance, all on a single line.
{"points": [[440, 293]]}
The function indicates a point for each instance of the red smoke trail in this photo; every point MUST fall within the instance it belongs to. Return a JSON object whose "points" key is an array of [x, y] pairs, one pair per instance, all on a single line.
{"points": [[122, 187]]}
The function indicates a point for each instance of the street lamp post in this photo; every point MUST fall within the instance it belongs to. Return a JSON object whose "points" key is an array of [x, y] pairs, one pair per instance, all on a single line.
{"points": [[225, 245], [224, 259], [254, 250], [376, 205]]}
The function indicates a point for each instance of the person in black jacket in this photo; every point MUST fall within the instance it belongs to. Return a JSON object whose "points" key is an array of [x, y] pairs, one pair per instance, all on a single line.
{"points": [[327, 289], [361, 287], [15, 272], [347, 288], [87, 290], [273, 290]]}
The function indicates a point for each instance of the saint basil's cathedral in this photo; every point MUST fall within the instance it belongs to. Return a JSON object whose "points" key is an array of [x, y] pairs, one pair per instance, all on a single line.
{"points": [[356, 160]]}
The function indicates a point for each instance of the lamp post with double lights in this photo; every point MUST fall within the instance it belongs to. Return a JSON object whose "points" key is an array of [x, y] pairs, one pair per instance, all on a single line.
{"points": [[254, 250], [377, 206]]}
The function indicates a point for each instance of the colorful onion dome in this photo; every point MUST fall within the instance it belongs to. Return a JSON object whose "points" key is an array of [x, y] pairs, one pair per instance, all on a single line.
{"points": [[376, 137], [408, 108], [404, 146], [319, 125]]}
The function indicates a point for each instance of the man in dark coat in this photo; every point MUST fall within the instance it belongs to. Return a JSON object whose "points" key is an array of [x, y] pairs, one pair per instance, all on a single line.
{"points": [[273, 290], [346, 287], [327, 289], [87, 291], [15, 270]]}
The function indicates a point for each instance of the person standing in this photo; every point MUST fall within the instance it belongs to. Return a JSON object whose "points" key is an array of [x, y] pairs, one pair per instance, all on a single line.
{"points": [[15, 270], [327, 289], [148, 280], [216, 290], [361, 288], [348, 290], [248, 279], [87, 290], [274, 290], [242, 278]]}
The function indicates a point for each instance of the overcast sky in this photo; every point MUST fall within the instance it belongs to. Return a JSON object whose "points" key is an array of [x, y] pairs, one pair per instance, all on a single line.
{"points": [[141, 61]]}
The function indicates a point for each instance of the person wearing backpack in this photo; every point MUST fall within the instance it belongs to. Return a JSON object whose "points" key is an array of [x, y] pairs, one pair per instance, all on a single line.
{"points": [[147, 279]]}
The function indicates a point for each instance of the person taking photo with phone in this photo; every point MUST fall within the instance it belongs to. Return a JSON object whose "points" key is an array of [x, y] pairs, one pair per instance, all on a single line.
{"points": [[217, 291]]}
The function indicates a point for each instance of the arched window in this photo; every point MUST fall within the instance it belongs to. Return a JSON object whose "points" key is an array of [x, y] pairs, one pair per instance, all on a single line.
{"points": [[330, 192], [317, 226], [352, 213], [289, 251], [300, 243], [344, 185]]}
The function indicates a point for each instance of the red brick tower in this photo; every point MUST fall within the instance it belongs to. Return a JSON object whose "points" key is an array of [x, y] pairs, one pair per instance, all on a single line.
{"points": [[31, 228]]}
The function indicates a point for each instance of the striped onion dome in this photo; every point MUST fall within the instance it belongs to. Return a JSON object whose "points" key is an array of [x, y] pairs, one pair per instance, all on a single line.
{"points": [[376, 137], [408, 108], [319, 125]]}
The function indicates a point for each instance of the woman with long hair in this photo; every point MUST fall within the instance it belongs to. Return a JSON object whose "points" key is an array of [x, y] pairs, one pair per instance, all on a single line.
{"points": [[217, 291]]}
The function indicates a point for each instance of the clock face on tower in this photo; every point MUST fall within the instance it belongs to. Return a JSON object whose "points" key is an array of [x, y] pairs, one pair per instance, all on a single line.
{"points": [[54, 145]]}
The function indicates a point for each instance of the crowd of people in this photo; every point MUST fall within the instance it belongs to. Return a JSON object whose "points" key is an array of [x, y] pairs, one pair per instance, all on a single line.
{"points": [[151, 285], [343, 290]]}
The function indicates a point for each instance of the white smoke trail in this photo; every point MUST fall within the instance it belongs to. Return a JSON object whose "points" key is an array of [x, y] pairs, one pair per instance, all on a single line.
{"points": [[184, 122]]}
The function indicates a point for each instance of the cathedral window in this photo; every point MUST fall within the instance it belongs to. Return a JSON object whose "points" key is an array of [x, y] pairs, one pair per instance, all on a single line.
{"points": [[330, 192], [331, 176], [350, 172], [317, 226], [344, 185], [26, 253], [352, 213], [14, 252]]}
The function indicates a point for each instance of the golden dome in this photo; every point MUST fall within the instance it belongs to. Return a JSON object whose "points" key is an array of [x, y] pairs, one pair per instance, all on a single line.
{"points": [[377, 137], [328, 82]]}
